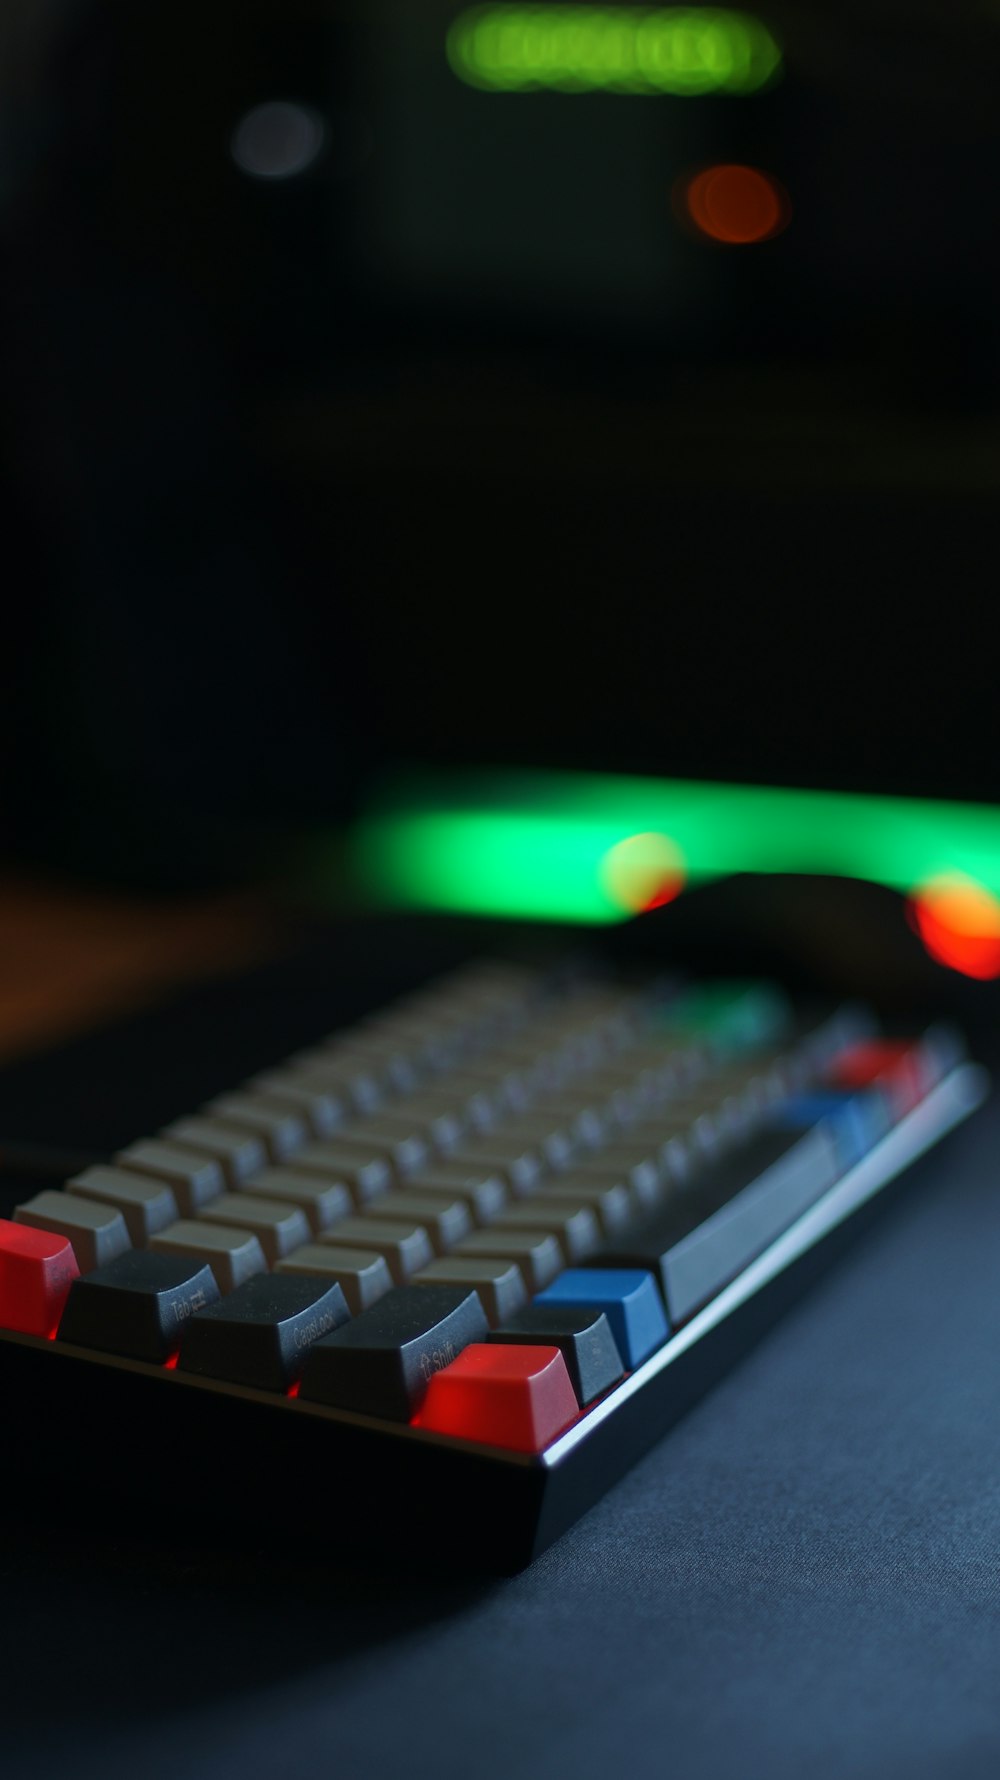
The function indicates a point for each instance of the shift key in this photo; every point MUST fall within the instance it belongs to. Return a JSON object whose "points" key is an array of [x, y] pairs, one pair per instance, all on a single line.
{"points": [[741, 1204]]}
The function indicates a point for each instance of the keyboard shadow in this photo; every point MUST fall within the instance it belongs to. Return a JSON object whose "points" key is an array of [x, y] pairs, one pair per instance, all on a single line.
{"points": [[106, 1626]]}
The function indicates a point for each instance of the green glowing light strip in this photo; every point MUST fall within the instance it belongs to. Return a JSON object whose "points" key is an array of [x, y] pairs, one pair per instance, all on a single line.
{"points": [[534, 846], [681, 50]]}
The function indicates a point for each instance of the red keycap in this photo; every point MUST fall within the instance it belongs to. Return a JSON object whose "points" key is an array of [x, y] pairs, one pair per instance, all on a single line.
{"points": [[37, 1268], [518, 1397], [896, 1065]]}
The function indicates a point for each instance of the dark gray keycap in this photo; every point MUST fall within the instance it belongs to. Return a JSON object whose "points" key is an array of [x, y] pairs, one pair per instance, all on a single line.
{"points": [[578, 1115], [380, 1363], [146, 1205], [404, 1242], [574, 1227], [97, 1233], [282, 1091], [484, 1193], [611, 1203], [446, 1221], [536, 1252], [238, 1153], [362, 1275], [281, 1132], [324, 1202], [233, 1255], [278, 1226], [364, 1171], [393, 1067], [194, 1180], [434, 1118], [739, 1206], [262, 1334], [583, 1336], [138, 1304], [498, 1283]]}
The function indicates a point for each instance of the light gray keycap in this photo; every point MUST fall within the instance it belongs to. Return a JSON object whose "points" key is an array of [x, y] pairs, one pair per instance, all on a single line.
{"points": [[611, 1204], [499, 1283], [233, 1255], [575, 1227], [536, 1252], [322, 1201], [281, 1132], [364, 1172], [238, 1153], [284, 1091], [278, 1226], [519, 1164], [362, 1275], [405, 1243], [396, 1139], [446, 1221], [638, 1165], [349, 1079], [147, 1205], [485, 1194], [549, 1137], [194, 1180], [578, 1114], [98, 1233]]}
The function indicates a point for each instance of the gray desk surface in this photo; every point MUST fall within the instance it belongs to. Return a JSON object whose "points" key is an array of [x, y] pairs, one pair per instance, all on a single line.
{"points": [[803, 1580]]}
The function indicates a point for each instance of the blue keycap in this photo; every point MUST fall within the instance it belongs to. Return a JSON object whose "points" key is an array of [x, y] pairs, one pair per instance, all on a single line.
{"points": [[857, 1120], [629, 1300]]}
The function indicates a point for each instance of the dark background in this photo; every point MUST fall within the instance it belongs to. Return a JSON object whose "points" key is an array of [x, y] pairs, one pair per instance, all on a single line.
{"points": [[455, 448]]}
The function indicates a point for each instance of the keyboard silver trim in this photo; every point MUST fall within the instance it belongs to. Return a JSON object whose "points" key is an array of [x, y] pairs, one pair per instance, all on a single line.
{"points": [[947, 1105]]}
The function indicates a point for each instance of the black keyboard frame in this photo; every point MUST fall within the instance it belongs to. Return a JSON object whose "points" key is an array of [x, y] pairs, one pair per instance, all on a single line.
{"points": [[207, 1455]]}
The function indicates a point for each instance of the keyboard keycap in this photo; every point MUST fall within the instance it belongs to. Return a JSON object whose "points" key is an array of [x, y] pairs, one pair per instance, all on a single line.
{"points": [[238, 1153], [194, 1180], [629, 1300], [398, 1141], [447, 1221], [485, 1194], [535, 1252], [97, 1232], [574, 1226], [737, 1208], [364, 1172], [324, 1202], [404, 1243], [138, 1305], [362, 1275], [262, 1333], [278, 1226], [520, 1166], [381, 1362], [281, 1132], [350, 1081], [856, 1120], [611, 1204], [583, 1337], [499, 1283], [281, 1091], [146, 1205], [897, 1066], [233, 1255], [37, 1269], [519, 1398]]}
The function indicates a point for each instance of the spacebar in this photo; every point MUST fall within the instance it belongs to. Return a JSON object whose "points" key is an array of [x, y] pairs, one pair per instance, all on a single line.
{"points": [[743, 1203]]}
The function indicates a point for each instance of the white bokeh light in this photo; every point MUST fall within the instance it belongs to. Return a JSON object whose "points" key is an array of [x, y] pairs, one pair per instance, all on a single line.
{"points": [[277, 140]]}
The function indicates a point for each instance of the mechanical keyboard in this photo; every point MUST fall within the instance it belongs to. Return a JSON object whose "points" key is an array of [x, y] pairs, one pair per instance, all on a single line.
{"points": [[445, 1276]]}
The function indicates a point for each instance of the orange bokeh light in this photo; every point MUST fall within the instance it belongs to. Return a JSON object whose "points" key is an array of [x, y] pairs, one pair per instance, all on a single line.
{"points": [[734, 204], [959, 923], [643, 872]]}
